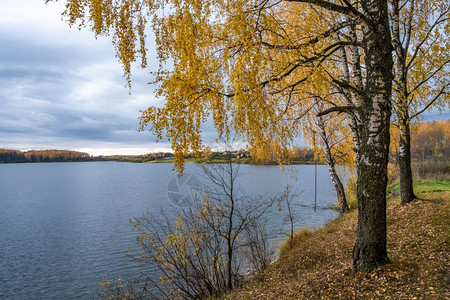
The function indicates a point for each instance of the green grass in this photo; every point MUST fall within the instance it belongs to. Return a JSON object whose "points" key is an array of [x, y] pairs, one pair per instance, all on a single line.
{"points": [[431, 186], [421, 186]]}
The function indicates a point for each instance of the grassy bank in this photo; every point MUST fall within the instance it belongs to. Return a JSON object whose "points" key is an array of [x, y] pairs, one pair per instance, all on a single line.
{"points": [[319, 265]]}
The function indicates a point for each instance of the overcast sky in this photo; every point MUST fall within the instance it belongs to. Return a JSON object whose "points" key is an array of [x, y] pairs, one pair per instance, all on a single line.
{"points": [[60, 88]]}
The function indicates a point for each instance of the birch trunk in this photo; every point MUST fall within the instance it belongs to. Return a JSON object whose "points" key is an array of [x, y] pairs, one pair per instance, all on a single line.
{"points": [[404, 163], [370, 247], [404, 154], [337, 183]]}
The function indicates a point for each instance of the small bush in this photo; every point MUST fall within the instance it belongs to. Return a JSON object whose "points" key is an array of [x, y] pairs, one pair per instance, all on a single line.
{"points": [[205, 249], [138, 288]]}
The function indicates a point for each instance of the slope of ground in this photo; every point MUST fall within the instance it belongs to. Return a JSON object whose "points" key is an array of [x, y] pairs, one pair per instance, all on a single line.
{"points": [[319, 265]]}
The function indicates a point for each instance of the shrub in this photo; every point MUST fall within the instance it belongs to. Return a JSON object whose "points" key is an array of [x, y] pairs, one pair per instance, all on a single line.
{"points": [[207, 248]]}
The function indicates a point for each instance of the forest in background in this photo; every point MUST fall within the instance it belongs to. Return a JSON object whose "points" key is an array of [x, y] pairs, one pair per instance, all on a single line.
{"points": [[430, 149], [35, 156], [16, 156]]}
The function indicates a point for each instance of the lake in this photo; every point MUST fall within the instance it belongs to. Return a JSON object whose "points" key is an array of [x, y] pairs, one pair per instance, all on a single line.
{"points": [[64, 226]]}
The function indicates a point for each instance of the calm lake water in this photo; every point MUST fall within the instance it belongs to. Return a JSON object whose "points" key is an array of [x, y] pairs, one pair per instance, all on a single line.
{"points": [[64, 226]]}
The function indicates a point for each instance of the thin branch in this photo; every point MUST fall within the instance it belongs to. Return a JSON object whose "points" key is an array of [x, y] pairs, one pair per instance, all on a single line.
{"points": [[408, 30], [339, 109], [430, 76], [312, 41], [350, 10], [441, 92], [419, 46]]}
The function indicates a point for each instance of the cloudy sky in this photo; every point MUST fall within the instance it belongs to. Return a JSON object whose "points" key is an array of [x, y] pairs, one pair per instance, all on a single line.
{"points": [[60, 88]]}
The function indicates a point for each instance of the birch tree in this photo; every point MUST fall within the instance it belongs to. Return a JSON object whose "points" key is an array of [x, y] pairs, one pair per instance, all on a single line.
{"points": [[336, 151], [331, 138], [421, 39], [246, 64]]}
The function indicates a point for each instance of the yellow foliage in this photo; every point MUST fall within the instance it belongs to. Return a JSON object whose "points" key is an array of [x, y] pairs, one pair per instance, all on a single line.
{"points": [[430, 139], [421, 41], [247, 65]]}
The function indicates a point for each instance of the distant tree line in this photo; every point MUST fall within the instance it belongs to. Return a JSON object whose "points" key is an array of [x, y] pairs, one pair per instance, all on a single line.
{"points": [[297, 154], [244, 156], [430, 140], [16, 156], [430, 151]]}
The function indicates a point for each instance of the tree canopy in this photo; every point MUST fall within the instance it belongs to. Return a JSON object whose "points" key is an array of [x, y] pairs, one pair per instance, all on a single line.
{"points": [[257, 67], [254, 67]]}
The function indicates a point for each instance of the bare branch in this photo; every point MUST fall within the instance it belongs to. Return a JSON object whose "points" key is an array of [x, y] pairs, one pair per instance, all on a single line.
{"points": [[339, 109], [430, 76], [439, 20], [316, 39], [346, 10], [441, 92]]}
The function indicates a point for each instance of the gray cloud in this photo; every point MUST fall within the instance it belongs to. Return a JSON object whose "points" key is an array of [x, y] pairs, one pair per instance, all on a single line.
{"points": [[61, 88]]}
